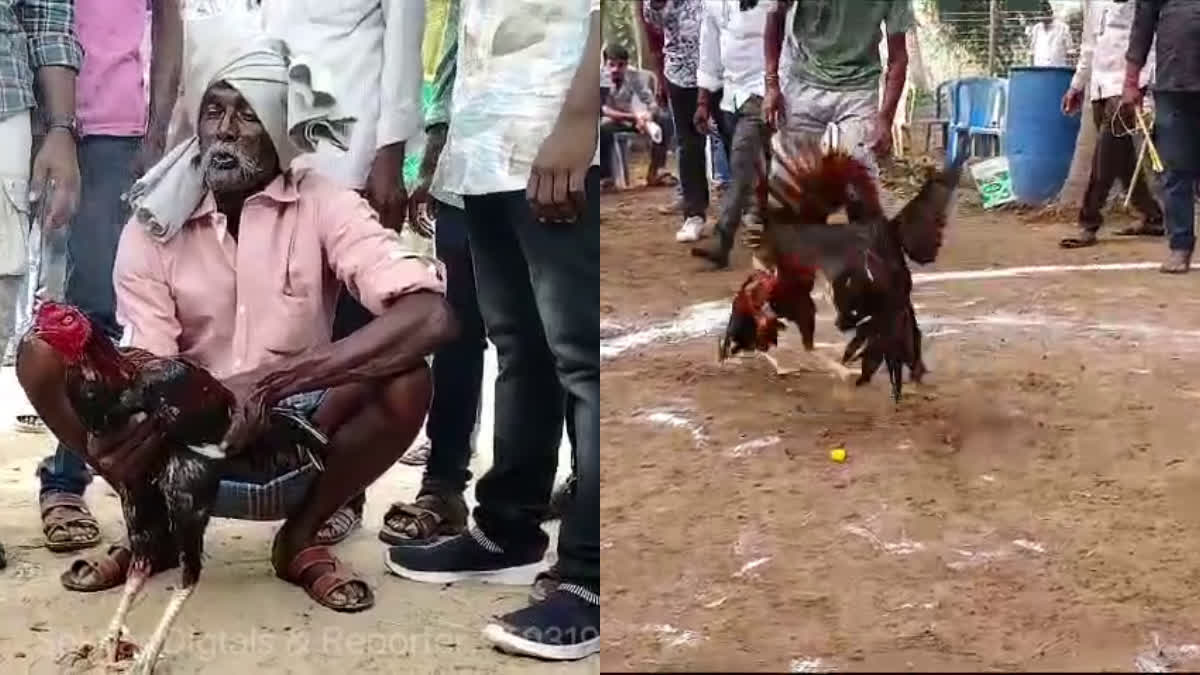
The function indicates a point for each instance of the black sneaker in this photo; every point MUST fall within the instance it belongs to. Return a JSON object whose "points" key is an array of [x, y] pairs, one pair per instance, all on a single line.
{"points": [[563, 627], [545, 584], [470, 556]]}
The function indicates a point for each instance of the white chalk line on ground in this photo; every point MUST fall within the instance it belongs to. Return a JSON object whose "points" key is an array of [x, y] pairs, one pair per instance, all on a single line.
{"points": [[707, 317]]}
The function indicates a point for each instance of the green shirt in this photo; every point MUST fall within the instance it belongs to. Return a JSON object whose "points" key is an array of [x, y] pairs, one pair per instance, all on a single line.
{"points": [[838, 40]]}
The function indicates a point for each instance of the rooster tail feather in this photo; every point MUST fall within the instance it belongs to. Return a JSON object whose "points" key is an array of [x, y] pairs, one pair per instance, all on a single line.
{"points": [[921, 222]]}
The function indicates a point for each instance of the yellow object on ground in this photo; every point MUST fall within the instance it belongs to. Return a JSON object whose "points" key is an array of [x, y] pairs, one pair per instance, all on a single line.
{"points": [[838, 454]]}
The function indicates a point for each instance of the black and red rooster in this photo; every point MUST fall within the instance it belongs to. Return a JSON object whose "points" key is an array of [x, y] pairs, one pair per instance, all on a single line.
{"points": [[863, 260], [168, 509]]}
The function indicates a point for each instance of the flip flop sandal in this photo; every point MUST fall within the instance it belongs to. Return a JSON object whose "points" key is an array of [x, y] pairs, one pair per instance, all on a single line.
{"points": [[30, 424], [428, 515], [1078, 242], [1142, 231], [343, 523], [109, 568], [320, 588], [60, 512]]}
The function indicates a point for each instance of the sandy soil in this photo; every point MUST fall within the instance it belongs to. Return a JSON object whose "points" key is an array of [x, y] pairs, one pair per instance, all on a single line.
{"points": [[1032, 506], [242, 619]]}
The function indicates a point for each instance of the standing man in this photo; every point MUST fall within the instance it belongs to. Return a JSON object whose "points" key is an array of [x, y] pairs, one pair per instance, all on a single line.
{"points": [[1050, 41], [731, 62], [1176, 23], [679, 21], [375, 47], [38, 69], [439, 509], [114, 133], [522, 151], [834, 70], [1101, 70]]}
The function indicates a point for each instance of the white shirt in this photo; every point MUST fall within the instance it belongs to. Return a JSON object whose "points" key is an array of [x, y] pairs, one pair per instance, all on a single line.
{"points": [[731, 51], [374, 49], [1102, 48], [516, 60], [1050, 43]]}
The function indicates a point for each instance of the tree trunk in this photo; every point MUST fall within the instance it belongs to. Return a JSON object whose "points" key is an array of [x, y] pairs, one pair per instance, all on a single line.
{"points": [[1071, 194]]}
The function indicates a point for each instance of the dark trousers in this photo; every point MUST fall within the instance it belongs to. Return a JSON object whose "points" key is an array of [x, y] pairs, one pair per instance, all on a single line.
{"points": [[105, 172], [693, 176], [1114, 160], [1177, 123], [658, 151], [539, 293], [751, 140], [350, 316], [458, 365]]}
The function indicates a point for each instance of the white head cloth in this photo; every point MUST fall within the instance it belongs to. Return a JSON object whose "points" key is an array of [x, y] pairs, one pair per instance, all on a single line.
{"points": [[289, 94]]}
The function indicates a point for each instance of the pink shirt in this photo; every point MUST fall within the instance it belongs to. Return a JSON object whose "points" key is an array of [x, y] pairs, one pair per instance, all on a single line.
{"points": [[236, 305], [110, 93]]}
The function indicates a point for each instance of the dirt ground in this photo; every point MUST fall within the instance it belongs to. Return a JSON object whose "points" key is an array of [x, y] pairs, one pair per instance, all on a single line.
{"points": [[241, 618], [1032, 506]]}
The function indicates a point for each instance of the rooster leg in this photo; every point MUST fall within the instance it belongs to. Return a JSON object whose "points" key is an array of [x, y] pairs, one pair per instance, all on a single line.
{"points": [[146, 659], [838, 370], [139, 571], [779, 370]]}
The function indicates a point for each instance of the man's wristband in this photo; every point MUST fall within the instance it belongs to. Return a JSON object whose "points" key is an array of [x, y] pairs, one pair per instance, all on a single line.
{"points": [[64, 122]]}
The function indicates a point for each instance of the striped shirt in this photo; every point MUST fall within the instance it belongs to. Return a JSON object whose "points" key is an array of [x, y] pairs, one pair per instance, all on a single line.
{"points": [[33, 34]]}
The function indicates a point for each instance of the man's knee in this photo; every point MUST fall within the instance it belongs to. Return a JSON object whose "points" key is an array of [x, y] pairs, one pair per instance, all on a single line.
{"points": [[407, 396]]}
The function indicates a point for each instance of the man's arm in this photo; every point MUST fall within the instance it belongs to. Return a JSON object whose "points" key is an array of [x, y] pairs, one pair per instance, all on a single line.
{"points": [[897, 23], [555, 186], [1087, 47], [402, 75], [773, 33], [404, 291], [166, 61], [437, 116], [55, 55], [710, 71], [145, 306], [654, 45], [1141, 37]]}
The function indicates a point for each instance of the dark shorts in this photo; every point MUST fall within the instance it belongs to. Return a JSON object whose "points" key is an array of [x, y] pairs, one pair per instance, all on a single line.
{"points": [[280, 495]]}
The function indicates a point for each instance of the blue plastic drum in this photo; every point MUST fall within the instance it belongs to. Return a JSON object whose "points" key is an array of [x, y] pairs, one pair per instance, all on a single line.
{"points": [[1040, 139]]}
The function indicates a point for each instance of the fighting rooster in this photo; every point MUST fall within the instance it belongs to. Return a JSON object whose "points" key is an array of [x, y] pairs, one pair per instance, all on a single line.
{"points": [[863, 261], [168, 509]]}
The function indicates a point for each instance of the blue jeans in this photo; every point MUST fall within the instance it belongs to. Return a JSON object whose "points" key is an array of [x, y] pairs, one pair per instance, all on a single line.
{"points": [[1177, 124], [720, 156], [458, 365], [539, 294], [105, 173]]}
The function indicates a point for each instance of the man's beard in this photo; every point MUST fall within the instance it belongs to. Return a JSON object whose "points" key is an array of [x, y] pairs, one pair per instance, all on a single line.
{"points": [[228, 168]]}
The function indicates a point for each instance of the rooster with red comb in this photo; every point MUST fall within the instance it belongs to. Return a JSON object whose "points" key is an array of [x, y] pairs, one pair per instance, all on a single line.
{"points": [[864, 261]]}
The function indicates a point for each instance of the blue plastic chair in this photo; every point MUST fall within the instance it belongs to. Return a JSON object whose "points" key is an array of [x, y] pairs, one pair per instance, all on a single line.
{"points": [[979, 110], [942, 98]]}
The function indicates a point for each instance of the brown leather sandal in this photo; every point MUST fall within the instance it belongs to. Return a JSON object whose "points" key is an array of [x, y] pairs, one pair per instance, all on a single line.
{"points": [[109, 569], [323, 586], [340, 525], [62, 512], [429, 518]]}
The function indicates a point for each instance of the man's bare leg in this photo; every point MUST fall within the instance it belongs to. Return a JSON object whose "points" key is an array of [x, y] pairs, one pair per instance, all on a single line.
{"points": [[369, 425]]}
